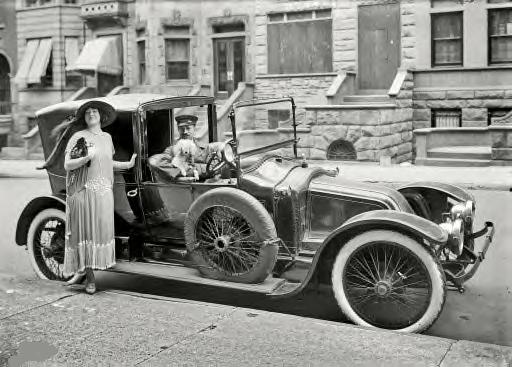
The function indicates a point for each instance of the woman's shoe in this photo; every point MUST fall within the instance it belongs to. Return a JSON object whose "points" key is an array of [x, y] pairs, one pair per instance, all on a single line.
{"points": [[78, 278], [90, 288]]}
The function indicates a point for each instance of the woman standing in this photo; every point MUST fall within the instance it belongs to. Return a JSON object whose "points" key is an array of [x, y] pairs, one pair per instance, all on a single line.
{"points": [[90, 240]]}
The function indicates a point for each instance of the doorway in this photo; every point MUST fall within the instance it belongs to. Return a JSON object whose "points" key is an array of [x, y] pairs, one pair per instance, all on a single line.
{"points": [[379, 45], [5, 86], [229, 65]]}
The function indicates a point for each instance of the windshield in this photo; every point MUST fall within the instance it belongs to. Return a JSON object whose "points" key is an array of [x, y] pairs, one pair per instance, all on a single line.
{"points": [[265, 126]]}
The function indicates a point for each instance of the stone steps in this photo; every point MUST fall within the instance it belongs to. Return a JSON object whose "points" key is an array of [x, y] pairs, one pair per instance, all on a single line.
{"points": [[458, 156], [367, 99], [461, 152], [453, 162]]}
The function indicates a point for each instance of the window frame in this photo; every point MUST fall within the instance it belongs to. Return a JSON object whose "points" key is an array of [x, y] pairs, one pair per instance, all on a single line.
{"points": [[490, 37], [433, 40], [317, 15], [70, 77], [177, 38], [140, 80]]}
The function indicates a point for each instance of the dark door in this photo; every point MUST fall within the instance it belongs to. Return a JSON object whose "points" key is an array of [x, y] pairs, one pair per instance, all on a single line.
{"points": [[229, 62], [379, 45], [5, 86]]}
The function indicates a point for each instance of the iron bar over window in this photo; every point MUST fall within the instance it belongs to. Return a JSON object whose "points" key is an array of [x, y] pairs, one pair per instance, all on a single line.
{"points": [[447, 118]]}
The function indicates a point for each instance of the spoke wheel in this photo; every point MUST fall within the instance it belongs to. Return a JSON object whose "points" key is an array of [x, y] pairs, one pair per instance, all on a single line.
{"points": [[227, 232], [387, 280], [227, 240], [46, 244], [387, 285]]}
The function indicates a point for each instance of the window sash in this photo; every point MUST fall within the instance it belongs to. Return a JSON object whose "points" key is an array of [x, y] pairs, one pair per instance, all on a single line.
{"points": [[177, 49], [447, 39], [177, 70], [500, 36]]}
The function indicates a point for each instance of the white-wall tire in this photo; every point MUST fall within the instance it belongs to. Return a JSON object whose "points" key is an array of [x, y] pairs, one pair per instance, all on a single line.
{"points": [[37, 266], [344, 261]]}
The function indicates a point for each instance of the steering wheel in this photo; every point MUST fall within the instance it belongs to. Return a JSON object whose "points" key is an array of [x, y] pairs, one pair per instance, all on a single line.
{"points": [[214, 163], [218, 158]]}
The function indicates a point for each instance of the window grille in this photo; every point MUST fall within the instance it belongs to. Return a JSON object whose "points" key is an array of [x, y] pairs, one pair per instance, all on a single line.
{"points": [[341, 150], [446, 118]]}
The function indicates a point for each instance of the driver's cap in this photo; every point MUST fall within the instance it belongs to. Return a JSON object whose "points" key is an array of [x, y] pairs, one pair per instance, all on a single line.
{"points": [[185, 120]]}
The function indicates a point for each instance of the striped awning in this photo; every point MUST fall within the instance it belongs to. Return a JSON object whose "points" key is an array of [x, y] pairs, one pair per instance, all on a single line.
{"points": [[101, 55], [34, 62]]}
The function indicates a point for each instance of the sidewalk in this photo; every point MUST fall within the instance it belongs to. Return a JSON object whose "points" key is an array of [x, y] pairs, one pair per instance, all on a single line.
{"points": [[47, 322], [480, 178]]}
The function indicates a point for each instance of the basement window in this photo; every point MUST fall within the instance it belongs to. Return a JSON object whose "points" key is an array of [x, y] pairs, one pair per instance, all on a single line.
{"points": [[447, 118]]}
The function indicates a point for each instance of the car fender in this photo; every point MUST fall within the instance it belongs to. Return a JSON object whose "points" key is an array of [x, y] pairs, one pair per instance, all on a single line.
{"points": [[426, 232], [31, 210], [451, 190]]}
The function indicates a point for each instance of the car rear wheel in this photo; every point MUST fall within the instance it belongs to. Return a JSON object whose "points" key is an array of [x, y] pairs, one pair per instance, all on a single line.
{"points": [[46, 243], [384, 279], [230, 236]]}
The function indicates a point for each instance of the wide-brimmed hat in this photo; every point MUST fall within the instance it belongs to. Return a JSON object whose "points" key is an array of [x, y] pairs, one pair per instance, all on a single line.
{"points": [[185, 120], [107, 112]]}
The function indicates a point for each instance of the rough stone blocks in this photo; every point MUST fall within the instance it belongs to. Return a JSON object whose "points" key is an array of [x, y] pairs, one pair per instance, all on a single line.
{"points": [[475, 114], [460, 94]]}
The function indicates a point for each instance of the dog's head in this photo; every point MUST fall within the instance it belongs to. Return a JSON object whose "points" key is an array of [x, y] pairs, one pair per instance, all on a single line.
{"points": [[185, 147]]}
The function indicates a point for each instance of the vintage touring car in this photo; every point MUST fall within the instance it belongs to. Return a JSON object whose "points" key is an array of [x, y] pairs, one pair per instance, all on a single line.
{"points": [[265, 223]]}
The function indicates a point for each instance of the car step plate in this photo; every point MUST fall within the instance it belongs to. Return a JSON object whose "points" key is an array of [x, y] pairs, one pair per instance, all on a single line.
{"points": [[191, 275]]}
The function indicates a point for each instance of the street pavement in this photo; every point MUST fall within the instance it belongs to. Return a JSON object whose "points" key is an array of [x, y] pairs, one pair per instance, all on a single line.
{"points": [[220, 331], [55, 325]]}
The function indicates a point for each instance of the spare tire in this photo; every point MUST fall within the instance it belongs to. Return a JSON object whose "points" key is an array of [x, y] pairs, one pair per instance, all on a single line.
{"points": [[230, 236]]}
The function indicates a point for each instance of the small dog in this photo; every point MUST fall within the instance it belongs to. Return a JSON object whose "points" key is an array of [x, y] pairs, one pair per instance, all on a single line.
{"points": [[183, 157]]}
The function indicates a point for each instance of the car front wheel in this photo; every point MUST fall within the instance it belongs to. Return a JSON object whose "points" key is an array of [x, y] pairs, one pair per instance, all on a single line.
{"points": [[46, 243], [384, 279]]}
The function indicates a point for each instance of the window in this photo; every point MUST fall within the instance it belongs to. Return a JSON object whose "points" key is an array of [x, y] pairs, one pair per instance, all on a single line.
{"points": [[141, 54], [177, 53], [73, 78], [341, 150], [447, 39], [47, 77], [300, 42], [496, 113], [34, 3], [230, 27], [447, 118], [36, 66], [500, 36]]}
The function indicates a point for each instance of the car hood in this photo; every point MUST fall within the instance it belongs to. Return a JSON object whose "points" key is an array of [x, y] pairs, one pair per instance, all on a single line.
{"points": [[342, 186]]}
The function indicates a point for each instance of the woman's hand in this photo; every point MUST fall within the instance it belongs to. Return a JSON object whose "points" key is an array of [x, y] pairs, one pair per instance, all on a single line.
{"points": [[131, 163]]}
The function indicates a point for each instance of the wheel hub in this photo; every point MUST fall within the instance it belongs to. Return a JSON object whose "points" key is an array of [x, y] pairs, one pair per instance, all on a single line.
{"points": [[383, 288], [222, 243]]}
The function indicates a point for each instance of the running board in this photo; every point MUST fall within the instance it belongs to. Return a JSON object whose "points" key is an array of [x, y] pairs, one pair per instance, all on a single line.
{"points": [[191, 275]]}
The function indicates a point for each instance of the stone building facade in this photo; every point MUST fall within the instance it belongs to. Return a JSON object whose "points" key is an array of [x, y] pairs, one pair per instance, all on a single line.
{"points": [[364, 73], [8, 67], [44, 30]]}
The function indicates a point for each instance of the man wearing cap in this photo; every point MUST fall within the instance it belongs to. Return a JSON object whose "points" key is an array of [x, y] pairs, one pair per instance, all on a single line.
{"points": [[161, 163]]}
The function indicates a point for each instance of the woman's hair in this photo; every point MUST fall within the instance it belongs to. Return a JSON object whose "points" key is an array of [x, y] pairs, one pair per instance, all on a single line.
{"points": [[69, 122]]}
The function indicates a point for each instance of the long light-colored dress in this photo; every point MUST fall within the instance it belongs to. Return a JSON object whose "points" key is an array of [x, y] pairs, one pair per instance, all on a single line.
{"points": [[90, 208]]}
